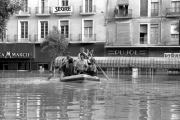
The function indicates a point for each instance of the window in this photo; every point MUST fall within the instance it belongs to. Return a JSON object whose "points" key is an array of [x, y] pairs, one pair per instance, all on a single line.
{"points": [[44, 28], [65, 3], [64, 28], [144, 8], [25, 9], [174, 33], [24, 29], [88, 28], [88, 5], [154, 33], [175, 6], [143, 34], [154, 8]]}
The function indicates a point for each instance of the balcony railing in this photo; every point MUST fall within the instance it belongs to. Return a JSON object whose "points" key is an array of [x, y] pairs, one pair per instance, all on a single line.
{"points": [[88, 10], [22, 38], [123, 13], [154, 12], [43, 11], [4, 38], [38, 38], [25, 12], [87, 37], [173, 11]]}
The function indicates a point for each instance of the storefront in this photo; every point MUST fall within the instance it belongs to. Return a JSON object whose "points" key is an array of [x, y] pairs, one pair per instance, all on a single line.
{"points": [[22, 56], [16, 56]]}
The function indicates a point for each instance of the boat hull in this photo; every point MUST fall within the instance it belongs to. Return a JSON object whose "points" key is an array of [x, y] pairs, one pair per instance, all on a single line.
{"points": [[80, 78]]}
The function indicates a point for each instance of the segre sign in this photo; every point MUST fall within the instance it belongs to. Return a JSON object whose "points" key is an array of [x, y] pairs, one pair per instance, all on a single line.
{"points": [[63, 9], [172, 55]]}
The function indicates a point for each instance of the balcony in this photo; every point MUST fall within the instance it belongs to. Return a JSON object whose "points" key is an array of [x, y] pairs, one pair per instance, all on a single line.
{"points": [[88, 10], [123, 14], [43, 11], [63, 10], [22, 38], [172, 43], [173, 12], [67, 37], [23, 13], [154, 12], [4, 39], [39, 38], [87, 38]]}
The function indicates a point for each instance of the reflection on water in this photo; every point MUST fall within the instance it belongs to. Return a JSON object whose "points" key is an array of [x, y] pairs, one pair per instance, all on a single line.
{"points": [[119, 99]]}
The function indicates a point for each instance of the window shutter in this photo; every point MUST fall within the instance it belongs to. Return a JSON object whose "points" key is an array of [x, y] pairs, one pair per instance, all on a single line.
{"points": [[64, 23], [144, 8], [88, 23], [123, 33]]}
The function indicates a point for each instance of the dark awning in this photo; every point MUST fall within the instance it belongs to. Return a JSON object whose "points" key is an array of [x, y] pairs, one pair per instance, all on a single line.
{"points": [[139, 62]]}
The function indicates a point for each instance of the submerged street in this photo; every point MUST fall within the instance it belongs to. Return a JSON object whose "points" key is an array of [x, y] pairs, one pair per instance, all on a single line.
{"points": [[29, 96]]}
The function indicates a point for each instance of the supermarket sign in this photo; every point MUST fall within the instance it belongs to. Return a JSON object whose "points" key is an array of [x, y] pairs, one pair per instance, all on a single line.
{"points": [[172, 55], [63, 9]]}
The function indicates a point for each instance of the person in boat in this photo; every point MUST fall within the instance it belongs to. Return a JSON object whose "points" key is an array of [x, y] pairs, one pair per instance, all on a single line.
{"points": [[81, 65], [70, 68], [92, 69], [82, 51], [65, 62]]}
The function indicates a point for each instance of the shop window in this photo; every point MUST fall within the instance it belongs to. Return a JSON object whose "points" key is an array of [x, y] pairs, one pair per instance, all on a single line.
{"points": [[143, 34]]}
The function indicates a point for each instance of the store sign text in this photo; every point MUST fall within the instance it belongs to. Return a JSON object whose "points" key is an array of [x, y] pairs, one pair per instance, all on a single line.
{"points": [[62, 9], [126, 52], [172, 55], [14, 55]]}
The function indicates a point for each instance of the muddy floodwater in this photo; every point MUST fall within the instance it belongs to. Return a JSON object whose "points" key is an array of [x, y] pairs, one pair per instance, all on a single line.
{"points": [[29, 96]]}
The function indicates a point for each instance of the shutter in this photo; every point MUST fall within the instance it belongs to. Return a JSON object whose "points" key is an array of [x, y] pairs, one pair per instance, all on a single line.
{"points": [[123, 2], [123, 34], [144, 8], [64, 23], [111, 33], [88, 23]]}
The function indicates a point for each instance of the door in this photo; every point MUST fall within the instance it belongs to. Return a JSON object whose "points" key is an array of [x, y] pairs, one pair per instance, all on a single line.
{"points": [[88, 6]]}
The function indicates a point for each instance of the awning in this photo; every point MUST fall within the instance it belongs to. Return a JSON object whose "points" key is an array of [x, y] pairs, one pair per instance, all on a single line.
{"points": [[138, 62]]}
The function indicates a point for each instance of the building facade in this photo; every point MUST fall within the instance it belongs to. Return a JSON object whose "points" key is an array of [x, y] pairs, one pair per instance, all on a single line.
{"points": [[142, 27], [80, 21]]}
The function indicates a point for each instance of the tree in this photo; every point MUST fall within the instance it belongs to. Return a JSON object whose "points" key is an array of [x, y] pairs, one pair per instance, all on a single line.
{"points": [[55, 44], [7, 9]]}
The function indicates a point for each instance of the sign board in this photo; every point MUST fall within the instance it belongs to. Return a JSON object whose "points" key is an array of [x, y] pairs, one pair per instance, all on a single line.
{"points": [[172, 55], [63, 9], [9, 54], [126, 52]]}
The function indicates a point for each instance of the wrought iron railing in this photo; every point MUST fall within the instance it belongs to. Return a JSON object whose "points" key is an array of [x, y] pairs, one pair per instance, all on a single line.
{"points": [[88, 9], [154, 12], [24, 11], [173, 11], [87, 37], [123, 13], [43, 10]]}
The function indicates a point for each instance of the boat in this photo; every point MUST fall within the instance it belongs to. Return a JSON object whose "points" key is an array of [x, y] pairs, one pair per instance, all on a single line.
{"points": [[80, 78]]}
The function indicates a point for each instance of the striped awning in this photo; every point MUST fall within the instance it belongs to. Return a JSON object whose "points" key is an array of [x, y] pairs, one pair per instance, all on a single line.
{"points": [[139, 62]]}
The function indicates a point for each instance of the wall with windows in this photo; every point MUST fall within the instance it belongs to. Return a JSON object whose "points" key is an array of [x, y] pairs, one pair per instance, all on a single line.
{"points": [[37, 19], [151, 22]]}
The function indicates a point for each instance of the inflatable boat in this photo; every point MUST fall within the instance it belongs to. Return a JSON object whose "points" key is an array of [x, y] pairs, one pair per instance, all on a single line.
{"points": [[79, 78]]}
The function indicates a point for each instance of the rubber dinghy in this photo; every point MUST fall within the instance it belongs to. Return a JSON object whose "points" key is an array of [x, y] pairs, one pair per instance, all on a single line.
{"points": [[80, 78]]}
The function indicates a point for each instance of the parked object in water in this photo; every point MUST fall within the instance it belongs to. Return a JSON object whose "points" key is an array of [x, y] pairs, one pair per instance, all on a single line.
{"points": [[80, 78]]}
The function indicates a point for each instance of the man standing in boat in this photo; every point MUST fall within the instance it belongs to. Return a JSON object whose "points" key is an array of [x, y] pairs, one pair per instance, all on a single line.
{"points": [[81, 65]]}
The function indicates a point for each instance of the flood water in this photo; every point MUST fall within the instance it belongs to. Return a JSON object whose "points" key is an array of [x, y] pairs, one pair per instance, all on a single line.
{"points": [[29, 96]]}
